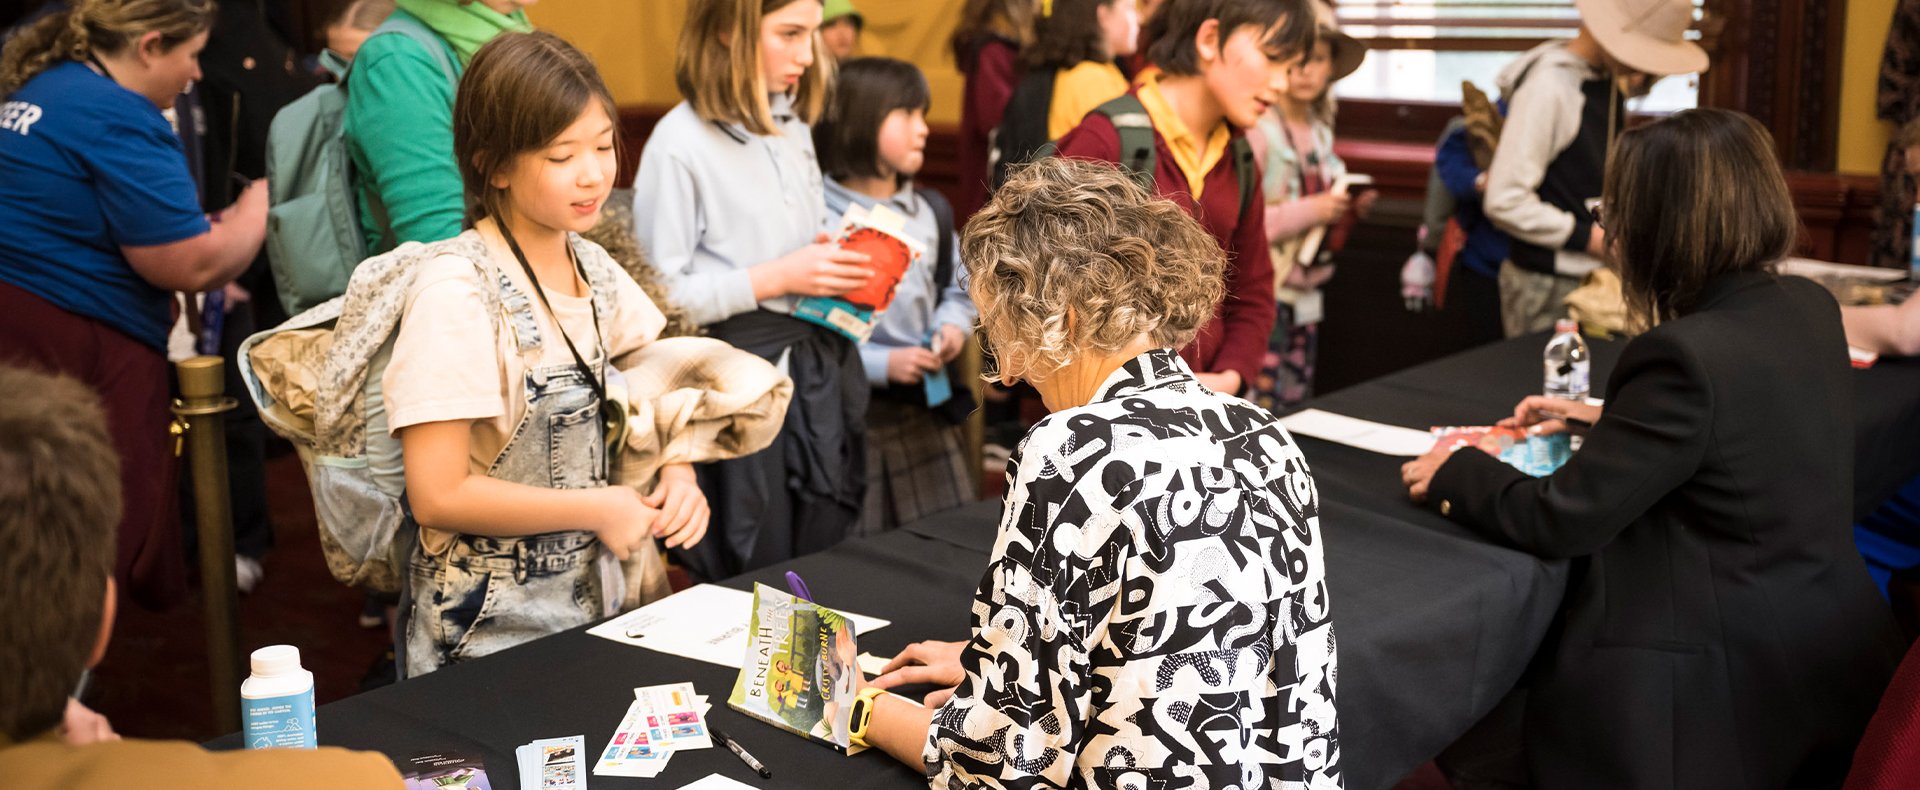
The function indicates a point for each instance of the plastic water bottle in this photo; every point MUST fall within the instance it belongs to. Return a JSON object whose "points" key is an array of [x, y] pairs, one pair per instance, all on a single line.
{"points": [[1568, 364], [276, 703]]}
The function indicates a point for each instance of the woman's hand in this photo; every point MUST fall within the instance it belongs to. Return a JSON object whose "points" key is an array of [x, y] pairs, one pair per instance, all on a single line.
{"points": [[1331, 206], [1550, 414], [625, 520], [935, 663], [682, 507], [818, 269], [908, 365], [1363, 206], [80, 726], [953, 340], [1417, 474]]}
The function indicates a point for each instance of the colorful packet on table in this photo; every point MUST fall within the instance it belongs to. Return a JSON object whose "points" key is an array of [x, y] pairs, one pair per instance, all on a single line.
{"points": [[554, 764], [661, 720], [1535, 454], [446, 772]]}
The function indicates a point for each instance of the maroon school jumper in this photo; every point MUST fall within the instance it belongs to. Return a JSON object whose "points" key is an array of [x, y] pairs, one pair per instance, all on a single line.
{"points": [[990, 83], [131, 379], [1236, 338]]}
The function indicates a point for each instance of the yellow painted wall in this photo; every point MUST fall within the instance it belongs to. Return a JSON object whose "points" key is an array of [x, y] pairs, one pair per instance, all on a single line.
{"points": [[1863, 138], [633, 42]]}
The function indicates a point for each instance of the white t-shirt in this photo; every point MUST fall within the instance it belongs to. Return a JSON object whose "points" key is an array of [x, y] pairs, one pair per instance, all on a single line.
{"points": [[449, 365]]}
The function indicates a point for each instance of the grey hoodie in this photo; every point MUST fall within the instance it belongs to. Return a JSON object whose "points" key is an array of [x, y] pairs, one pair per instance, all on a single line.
{"points": [[1543, 119]]}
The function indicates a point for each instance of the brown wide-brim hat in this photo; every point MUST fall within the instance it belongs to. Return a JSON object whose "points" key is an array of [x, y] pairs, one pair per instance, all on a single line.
{"points": [[1348, 52], [1647, 35]]}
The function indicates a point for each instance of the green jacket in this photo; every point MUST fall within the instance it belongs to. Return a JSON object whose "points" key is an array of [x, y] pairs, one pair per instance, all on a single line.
{"points": [[399, 130]]}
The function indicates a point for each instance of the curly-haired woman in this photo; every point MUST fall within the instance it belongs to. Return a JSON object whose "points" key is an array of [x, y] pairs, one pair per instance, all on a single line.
{"points": [[1156, 603]]}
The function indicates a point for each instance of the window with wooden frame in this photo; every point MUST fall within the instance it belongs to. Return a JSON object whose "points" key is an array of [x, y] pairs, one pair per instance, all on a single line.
{"points": [[1777, 60], [1421, 50]]}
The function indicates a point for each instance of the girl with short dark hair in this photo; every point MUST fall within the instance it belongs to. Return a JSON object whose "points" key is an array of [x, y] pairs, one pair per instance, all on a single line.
{"points": [[872, 141]]}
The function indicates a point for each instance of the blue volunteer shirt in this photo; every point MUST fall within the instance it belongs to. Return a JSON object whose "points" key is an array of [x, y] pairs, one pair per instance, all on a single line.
{"points": [[87, 167]]}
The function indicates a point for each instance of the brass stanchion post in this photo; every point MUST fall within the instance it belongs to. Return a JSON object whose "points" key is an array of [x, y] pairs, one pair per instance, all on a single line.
{"points": [[975, 428], [200, 414]]}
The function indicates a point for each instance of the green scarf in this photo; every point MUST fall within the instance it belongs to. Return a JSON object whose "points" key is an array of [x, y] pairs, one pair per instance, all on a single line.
{"points": [[465, 25]]}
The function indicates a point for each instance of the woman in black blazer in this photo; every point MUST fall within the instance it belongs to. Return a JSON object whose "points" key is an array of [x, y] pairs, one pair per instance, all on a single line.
{"points": [[1719, 630]]}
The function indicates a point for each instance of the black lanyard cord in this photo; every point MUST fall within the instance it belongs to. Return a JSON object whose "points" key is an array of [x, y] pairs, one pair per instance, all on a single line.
{"points": [[598, 382]]}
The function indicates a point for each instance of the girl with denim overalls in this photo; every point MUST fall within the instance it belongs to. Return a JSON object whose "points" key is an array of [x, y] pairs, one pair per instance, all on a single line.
{"points": [[499, 371]]}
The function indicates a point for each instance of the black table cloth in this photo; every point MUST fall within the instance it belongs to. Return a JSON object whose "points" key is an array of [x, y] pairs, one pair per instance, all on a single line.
{"points": [[1435, 623]]}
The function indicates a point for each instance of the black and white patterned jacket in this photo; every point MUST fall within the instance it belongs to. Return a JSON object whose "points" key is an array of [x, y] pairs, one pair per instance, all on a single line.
{"points": [[1155, 613]]}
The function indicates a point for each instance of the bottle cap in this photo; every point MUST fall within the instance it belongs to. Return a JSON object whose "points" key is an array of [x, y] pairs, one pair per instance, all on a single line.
{"points": [[1564, 326], [276, 660]]}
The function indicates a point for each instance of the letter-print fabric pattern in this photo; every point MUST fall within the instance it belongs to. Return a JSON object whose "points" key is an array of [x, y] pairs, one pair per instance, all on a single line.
{"points": [[1155, 612]]}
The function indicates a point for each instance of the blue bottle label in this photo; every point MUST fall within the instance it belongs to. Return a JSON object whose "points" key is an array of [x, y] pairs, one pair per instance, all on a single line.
{"points": [[279, 722]]}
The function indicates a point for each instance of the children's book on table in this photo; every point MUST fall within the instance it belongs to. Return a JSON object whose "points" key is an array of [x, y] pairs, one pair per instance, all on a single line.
{"points": [[801, 670]]}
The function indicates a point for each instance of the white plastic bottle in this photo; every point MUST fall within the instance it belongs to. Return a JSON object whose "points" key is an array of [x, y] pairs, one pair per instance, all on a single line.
{"points": [[276, 702], [1568, 363]]}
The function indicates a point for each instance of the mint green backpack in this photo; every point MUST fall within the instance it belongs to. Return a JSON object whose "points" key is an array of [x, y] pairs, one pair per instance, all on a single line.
{"points": [[314, 239]]}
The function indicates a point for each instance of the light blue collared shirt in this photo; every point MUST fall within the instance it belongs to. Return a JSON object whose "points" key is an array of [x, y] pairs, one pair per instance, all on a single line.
{"points": [[712, 200], [920, 305]]}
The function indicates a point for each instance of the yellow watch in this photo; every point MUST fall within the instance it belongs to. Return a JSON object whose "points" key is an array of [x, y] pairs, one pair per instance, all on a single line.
{"points": [[862, 715]]}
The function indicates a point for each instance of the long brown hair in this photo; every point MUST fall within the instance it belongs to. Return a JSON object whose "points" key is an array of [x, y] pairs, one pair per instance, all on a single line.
{"points": [[520, 92], [1068, 36], [984, 19], [717, 66], [1688, 198], [107, 26]]}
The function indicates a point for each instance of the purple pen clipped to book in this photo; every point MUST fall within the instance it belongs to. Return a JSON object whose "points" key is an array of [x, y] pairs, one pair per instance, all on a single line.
{"points": [[798, 586]]}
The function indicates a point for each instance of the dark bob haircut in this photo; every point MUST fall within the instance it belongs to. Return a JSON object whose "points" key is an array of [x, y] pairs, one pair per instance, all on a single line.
{"points": [[1688, 198], [866, 91], [1175, 25]]}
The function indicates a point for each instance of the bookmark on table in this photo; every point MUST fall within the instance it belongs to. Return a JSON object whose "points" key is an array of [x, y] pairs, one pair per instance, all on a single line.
{"points": [[938, 385]]}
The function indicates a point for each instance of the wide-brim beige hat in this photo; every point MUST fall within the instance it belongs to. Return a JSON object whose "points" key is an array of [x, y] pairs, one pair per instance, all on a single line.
{"points": [[1646, 35], [1347, 51]]}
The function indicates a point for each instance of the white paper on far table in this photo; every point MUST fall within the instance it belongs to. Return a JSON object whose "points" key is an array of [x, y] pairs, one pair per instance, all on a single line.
{"points": [[706, 622], [1355, 432]]}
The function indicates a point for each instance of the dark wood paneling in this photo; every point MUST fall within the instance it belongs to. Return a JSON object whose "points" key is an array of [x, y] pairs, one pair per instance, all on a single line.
{"points": [[1779, 61]]}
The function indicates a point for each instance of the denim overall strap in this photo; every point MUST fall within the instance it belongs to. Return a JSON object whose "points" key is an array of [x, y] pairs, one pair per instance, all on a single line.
{"points": [[486, 594]]}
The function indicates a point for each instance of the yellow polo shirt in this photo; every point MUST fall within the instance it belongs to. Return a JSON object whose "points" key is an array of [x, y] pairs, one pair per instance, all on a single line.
{"points": [[1077, 90], [1195, 157]]}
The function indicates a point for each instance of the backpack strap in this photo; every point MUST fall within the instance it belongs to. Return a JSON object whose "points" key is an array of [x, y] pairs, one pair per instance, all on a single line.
{"points": [[943, 225], [1135, 128], [1244, 171], [410, 26], [1137, 155]]}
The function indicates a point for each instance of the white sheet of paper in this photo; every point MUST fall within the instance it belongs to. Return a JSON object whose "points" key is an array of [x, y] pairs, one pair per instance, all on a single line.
{"points": [[1808, 267], [871, 664], [718, 782], [705, 622], [1355, 432]]}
